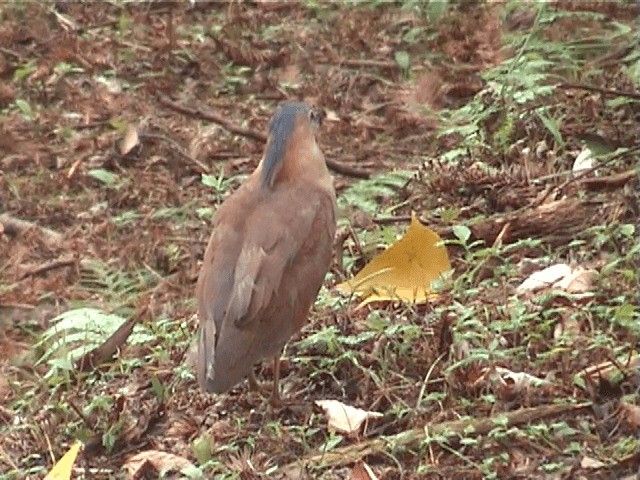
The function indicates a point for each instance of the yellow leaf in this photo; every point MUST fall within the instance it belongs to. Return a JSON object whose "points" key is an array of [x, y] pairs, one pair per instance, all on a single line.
{"points": [[62, 469], [405, 270]]}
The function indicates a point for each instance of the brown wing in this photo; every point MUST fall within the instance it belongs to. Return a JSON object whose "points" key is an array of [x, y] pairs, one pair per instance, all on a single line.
{"points": [[253, 292]]}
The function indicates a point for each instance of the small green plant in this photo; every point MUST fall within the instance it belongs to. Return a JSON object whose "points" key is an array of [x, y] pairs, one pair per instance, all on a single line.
{"points": [[118, 290], [221, 185], [25, 109], [367, 195], [107, 178], [79, 331], [25, 70]]}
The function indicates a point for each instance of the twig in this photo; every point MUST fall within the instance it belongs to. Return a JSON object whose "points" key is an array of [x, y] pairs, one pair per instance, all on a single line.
{"points": [[16, 226], [580, 177], [212, 117], [24, 306], [7, 415], [9, 460], [101, 353], [346, 169], [610, 181], [498, 241], [392, 220], [200, 167], [604, 91], [64, 261], [87, 126], [91, 425], [474, 426], [11, 53], [369, 63], [253, 134]]}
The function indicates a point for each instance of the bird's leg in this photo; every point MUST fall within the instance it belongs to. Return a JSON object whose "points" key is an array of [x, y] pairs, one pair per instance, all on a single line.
{"points": [[253, 383], [275, 395]]}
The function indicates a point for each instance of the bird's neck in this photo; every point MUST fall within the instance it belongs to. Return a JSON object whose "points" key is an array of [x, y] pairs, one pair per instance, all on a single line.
{"points": [[304, 162]]}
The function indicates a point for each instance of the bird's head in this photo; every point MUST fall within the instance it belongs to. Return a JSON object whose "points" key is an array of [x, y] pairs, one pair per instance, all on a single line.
{"points": [[291, 139]]}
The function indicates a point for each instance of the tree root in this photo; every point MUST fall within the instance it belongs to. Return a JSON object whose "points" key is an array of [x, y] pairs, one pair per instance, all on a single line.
{"points": [[14, 226], [411, 438]]}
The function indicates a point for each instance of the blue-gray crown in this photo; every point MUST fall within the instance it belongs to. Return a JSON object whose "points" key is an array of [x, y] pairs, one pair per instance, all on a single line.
{"points": [[281, 127]]}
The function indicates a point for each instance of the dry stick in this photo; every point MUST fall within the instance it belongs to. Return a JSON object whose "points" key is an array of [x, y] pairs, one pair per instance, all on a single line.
{"points": [[253, 134], [610, 181], [604, 91], [346, 170], [63, 261], [581, 176], [99, 354], [212, 117], [7, 415], [392, 220], [410, 438], [200, 167], [355, 63], [9, 460], [15, 226], [88, 422], [370, 63], [11, 53]]}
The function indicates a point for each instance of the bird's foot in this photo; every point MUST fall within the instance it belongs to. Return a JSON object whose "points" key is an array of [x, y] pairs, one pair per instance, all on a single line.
{"points": [[254, 386], [274, 400]]}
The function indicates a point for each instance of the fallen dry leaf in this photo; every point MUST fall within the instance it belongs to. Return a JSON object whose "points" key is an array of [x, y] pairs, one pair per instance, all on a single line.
{"points": [[129, 141], [631, 414], [515, 381], [344, 418], [362, 471], [584, 161], [578, 281], [332, 116], [588, 462], [544, 278], [569, 327], [405, 270], [160, 462], [608, 369]]}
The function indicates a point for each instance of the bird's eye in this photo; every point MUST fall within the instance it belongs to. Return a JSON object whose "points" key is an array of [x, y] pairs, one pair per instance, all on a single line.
{"points": [[316, 115]]}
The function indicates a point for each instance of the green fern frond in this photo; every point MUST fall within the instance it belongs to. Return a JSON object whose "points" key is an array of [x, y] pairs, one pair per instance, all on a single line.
{"points": [[365, 195], [117, 288], [76, 332]]}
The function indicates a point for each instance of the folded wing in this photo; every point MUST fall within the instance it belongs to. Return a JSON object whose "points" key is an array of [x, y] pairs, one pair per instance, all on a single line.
{"points": [[264, 274]]}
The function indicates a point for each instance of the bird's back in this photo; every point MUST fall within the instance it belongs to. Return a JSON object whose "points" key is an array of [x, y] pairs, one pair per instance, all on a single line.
{"points": [[262, 270]]}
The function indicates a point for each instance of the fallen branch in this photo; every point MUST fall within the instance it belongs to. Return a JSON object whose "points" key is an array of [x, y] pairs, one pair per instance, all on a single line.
{"points": [[610, 181], [604, 91], [212, 117], [355, 63], [15, 226], [556, 222], [199, 166], [253, 134], [98, 355], [583, 174], [61, 262], [449, 430], [346, 170]]}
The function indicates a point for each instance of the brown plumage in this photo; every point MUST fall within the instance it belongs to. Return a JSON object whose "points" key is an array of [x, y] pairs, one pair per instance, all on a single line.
{"points": [[268, 254]]}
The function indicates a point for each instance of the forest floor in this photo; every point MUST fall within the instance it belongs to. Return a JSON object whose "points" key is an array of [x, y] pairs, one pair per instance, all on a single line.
{"points": [[124, 125]]}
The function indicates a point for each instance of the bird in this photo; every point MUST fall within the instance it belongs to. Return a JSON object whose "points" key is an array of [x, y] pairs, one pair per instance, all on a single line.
{"points": [[268, 254]]}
